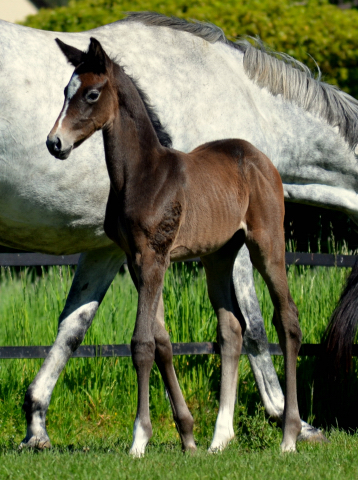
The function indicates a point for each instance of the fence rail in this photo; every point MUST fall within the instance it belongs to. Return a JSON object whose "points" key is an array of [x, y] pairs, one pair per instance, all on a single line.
{"points": [[292, 258], [205, 348], [93, 351]]}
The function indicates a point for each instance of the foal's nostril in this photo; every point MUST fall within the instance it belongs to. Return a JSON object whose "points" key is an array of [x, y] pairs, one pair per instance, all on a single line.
{"points": [[57, 145], [54, 144]]}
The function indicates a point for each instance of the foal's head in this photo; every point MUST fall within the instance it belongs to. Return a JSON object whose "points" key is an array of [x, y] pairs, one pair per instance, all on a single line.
{"points": [[90, 99]]}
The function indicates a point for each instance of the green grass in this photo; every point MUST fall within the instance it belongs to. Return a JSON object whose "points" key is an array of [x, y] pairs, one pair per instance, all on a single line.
{"points": [[337, 459], [94, 402]]}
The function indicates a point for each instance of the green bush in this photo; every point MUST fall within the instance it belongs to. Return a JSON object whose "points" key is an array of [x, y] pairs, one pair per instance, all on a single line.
{"points": [[302, 29]]}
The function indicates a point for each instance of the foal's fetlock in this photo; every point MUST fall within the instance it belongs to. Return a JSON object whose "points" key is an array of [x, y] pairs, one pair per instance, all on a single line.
{"points": [[142, 433], [185, 426], [290, 434]]}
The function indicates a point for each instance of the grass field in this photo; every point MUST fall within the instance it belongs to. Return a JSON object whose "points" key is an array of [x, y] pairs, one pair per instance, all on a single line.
{"points": [[336, 460], [93, 406]]}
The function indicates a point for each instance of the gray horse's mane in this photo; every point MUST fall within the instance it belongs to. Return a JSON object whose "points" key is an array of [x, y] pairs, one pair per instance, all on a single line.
{"points": [[209, 32], [278, 72]]}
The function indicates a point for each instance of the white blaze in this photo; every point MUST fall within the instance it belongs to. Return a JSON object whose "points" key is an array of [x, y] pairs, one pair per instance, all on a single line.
{"points": [[72, 89]]}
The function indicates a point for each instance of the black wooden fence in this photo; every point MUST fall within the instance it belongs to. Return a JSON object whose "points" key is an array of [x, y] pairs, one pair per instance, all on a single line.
{"points": [[205, 348], [292, 258]]}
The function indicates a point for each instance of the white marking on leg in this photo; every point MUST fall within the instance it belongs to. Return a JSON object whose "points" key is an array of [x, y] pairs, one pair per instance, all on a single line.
{"points": [[58, 356], [224, 430], [288, 446], [72, 89], [140, 440]]}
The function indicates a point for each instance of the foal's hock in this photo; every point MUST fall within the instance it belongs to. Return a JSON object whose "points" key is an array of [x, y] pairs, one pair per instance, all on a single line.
{"points": [[165, 206]]}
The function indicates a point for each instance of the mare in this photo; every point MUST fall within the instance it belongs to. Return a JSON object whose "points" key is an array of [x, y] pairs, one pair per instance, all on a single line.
{"points": [[165, 205], [203, 87]]}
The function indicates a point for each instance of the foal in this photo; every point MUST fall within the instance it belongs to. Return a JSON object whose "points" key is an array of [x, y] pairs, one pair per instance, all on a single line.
{"points": [[165, 206]]}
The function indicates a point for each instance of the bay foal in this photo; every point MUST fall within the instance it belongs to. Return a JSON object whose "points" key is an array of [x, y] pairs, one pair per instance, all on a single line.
{"points": [[165, 206]]}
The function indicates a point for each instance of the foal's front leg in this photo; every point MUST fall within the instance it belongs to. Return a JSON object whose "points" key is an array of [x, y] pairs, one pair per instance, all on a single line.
{"points": [[150, 275], [164, 359]]}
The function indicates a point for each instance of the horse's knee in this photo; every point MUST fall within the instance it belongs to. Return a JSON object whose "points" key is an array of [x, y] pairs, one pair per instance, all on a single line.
{"points": [[163, 348], [295, 335], [142, 352], [291, 326], [230, 334], [294, 329]]}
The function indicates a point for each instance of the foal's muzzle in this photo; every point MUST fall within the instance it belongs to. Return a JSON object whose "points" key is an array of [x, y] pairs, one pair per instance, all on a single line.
{"points": [[56, 147]]}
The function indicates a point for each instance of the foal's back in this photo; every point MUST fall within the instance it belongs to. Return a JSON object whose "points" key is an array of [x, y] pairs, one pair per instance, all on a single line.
{"points": [[229, 185]]}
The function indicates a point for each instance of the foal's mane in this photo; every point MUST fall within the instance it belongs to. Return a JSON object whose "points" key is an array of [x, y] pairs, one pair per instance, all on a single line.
{"points": [[163, 136], [278, 72]]}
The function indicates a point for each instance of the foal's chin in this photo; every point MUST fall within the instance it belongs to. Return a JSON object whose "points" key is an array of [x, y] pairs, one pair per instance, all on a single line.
{"points": [[59, 154], [63, 155]]}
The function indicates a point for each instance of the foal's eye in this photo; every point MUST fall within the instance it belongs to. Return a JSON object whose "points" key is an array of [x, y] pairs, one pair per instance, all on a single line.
{"points": [[92, 96]]}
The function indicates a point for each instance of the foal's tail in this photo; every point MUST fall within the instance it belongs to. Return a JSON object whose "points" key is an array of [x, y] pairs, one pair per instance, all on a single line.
{"points": [[341, 330]]}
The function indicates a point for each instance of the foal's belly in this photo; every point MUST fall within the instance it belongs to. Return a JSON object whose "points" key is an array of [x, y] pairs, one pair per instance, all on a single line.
{"points": [[206, 231]]}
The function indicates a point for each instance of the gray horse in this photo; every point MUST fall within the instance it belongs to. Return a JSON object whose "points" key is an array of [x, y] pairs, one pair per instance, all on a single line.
{"points": [[203, 87]]}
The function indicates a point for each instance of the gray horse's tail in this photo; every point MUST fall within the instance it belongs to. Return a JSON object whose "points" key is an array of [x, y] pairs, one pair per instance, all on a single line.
{"points": [[341, 331]]}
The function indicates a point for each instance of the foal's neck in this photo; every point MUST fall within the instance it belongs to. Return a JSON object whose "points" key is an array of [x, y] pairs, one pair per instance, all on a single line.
{"points": [[131, 143]]}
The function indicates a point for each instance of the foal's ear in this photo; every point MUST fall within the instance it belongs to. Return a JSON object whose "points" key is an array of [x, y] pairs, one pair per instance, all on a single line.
{"points": [[98, 56], [73, 55]]}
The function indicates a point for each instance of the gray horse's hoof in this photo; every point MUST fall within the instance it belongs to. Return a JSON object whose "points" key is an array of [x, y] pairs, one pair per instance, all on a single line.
{"points": [[35, 443], [311, 434]]}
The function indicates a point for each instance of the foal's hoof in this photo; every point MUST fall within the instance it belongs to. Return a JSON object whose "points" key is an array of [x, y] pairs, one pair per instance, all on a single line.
{"points": [[289, 447], [137, 450], [190, 449], [213, 450], [35, 443], [219, 444], [136, 453], [311, 434]]}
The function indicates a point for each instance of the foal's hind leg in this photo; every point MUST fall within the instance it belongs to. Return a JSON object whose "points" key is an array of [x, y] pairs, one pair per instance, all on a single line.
{"points": [[257, 347], [218, 267], [267, 251]]}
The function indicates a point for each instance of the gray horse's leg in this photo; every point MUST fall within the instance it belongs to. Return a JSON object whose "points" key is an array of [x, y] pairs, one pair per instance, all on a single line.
{"points": [[94, 274], [256, 344]]}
